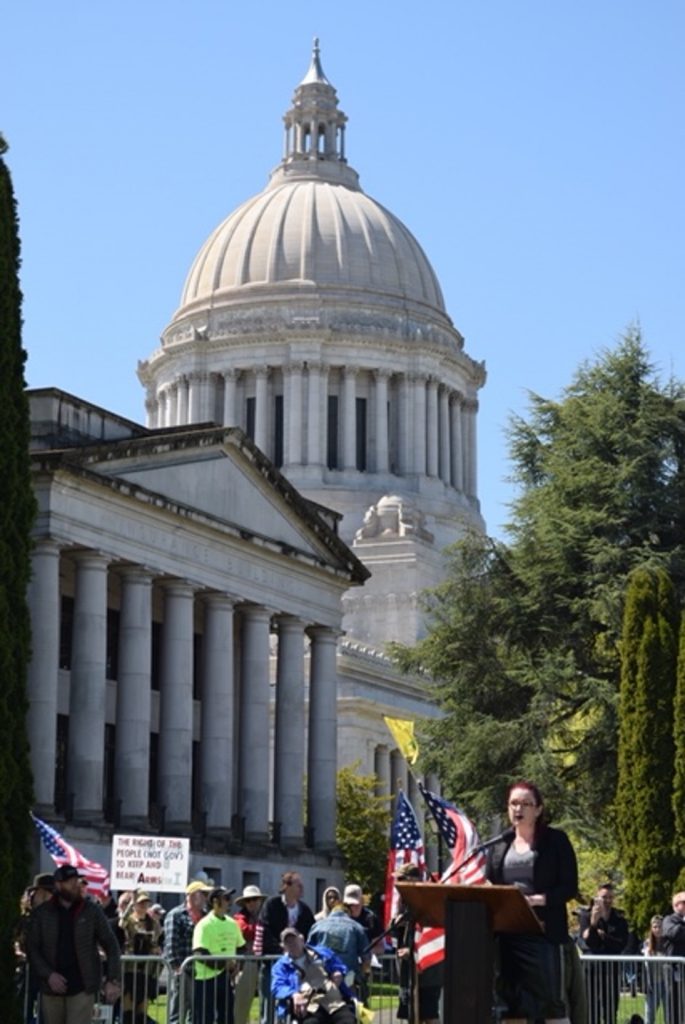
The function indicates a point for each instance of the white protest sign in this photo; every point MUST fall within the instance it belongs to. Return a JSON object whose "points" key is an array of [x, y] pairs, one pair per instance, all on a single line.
{"points": [[159, 863]]}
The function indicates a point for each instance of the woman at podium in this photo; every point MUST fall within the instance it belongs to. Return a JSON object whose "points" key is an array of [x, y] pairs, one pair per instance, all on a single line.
{"points": [[540, 861]]}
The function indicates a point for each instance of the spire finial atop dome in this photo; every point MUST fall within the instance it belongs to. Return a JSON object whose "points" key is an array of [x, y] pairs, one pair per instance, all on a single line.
{"points": [[315, 131], [315, 73]]}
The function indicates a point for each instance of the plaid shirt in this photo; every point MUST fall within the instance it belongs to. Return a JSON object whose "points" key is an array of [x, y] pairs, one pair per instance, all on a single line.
{"points": [[178, 935]]}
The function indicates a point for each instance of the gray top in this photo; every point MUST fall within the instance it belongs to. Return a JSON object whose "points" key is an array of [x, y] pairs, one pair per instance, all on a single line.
{"points": [[518, 869]]}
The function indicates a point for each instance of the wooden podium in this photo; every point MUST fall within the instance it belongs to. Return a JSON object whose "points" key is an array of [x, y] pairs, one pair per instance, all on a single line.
{"points": [[471, 916]]}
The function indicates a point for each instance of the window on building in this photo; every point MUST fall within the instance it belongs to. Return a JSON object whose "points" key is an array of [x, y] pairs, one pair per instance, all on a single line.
{"points": [[250, 412], [198, 662], [66, 626], [196, 789], [61, 763], [112, 669], [154, 761], [156, 660], [332, 436], [278, 430], [108, 805], [360, 410]]}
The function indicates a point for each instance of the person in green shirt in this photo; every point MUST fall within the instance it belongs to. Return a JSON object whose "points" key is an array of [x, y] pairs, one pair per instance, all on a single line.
{"points": [[218, 935]]}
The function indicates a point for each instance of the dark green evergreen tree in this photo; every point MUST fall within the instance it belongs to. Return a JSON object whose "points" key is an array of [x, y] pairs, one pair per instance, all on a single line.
{"points": [[644, 810], [523, 640], [679, 760], [16, 517]]}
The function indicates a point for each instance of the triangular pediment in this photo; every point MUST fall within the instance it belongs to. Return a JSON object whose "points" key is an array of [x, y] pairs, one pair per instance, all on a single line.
{"points": [[221, 475]]}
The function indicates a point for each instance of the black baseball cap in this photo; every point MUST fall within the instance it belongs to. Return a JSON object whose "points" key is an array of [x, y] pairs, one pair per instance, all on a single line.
{"points": [[65, 872]]}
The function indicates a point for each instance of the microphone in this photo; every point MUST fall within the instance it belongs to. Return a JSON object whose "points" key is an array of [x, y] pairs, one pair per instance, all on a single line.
{"points": [[508, 834]]}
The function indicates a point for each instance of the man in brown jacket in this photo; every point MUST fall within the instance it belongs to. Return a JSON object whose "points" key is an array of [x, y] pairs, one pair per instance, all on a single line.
{"points": [[65, 936]]}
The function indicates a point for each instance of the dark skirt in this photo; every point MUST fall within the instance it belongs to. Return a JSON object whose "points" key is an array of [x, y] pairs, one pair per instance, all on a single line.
{"points": [[531, 977]]}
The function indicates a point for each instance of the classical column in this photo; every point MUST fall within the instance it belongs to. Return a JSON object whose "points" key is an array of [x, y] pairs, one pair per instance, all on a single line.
{"points": [[182, 386], [230, 408], [398, 772], [471, 474], [349, 396], [161, 408], [211, 385], [261, 418], [172, 405], [419, 461], [414, 794], [41, 716], [134, 696], [381, 767], [314, 427], [322, 753], [293, 415], [254, 721], [289, 732], [457, 444], [381, 378], [87, 690], [445, 457], [151, 412], [176, 705], [432, 427], [404, 461], [194, 398], [218, 698]]}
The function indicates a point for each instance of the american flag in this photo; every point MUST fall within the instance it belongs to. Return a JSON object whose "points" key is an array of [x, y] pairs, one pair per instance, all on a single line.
{"points": [[63, 852], [406, 847], [461, 837]]}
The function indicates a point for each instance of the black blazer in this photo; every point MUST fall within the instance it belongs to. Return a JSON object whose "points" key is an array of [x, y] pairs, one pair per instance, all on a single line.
{"points": [[555, 873]]}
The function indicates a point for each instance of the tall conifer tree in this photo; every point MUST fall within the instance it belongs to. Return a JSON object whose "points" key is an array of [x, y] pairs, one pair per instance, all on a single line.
{"points": [[645, 818], [679, 742], [16, 517], [524, 635]]}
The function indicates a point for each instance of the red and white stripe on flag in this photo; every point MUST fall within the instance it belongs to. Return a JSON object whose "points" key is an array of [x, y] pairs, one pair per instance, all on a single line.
{"points": [[62, 852], [406, 847]]}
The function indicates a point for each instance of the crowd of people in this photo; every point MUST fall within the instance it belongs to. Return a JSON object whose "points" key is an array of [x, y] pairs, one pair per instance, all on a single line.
{"points": [[69, 949], [312, 967]]}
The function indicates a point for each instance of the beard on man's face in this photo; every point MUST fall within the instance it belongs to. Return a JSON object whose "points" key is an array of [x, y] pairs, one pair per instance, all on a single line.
{"points": [[68, 892]]}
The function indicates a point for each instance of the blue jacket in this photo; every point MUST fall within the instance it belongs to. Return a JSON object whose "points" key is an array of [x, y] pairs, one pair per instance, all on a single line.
{"points": [[339, 933], [286, 978]]}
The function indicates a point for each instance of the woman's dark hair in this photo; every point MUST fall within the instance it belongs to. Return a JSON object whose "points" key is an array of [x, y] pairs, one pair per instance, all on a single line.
{"points": [[541, 822]]}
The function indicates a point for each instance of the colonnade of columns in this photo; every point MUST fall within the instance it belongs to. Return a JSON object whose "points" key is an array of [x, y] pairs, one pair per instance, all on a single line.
{"points": [[237, 775], [415, 425]]}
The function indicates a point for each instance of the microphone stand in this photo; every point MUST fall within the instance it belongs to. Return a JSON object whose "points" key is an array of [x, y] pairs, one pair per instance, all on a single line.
{"points": [[478, 849]]}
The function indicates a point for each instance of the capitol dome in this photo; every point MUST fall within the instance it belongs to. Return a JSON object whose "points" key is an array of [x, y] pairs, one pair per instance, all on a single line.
{"points": [[313, 230], [312, 319]]}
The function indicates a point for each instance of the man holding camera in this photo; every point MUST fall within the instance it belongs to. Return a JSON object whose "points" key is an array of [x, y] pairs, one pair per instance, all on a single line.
{"points": [[604, 930]]}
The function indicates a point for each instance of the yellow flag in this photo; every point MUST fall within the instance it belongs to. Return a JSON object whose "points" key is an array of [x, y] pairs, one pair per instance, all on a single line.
{"points": [[403, 734]]}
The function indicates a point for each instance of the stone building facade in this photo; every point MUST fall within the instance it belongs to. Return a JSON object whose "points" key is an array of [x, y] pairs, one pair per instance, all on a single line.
{"points": [[213, 592]]}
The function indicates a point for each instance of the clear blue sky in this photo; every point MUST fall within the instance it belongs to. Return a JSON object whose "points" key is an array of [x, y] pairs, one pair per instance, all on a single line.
{"points": [[535, 149]]}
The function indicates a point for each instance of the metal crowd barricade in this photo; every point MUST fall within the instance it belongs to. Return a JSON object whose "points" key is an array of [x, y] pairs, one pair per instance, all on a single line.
{"points": [[144, 979], [619, 986], [206, 1001], [202, 1003]]}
